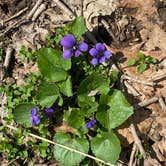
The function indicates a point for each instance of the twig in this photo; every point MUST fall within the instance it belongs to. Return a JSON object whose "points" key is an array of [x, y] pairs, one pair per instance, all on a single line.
{"points": [[162, 103], [16, 15], [162, 64], [149, 83], [13, 161], [3, 101], [131, 89], [34, 9], [41, 8], [158, 76], [137, 140], [134, 149], [14, 25], [147, 102], [65, 8], [8, 57], [62, 146]]}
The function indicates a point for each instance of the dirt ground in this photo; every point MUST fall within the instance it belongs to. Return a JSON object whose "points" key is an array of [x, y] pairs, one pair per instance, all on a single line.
{"points": [[126, 27]]}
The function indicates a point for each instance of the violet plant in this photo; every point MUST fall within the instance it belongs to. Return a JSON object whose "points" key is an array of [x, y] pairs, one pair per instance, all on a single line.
{"points": [[73, 78]]}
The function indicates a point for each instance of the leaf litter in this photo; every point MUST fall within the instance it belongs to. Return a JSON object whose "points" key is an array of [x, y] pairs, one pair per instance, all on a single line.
{"points": [[132, 27]]}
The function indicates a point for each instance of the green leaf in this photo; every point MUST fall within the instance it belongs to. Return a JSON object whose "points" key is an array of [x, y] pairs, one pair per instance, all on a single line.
{"points": [[47, 94], [114, 76], [141, 56], [60, 32], [94, 83], [66, 87], [76, 118], [22, 114], [67, 157], [102, 115], [77, 27], [60, 103], [119, 110], [52, 65], [141, 68], [88, 104], [89, 87], [131, 62], [150, 59], [106, 147]]}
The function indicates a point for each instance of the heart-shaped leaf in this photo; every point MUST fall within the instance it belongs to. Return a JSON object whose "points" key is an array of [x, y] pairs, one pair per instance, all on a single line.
{"points": [[47, 94], [52, 65], [67, 157], [115, 109], [106, 147], [94, 83], [22, 114], [77, 27], [66, 87]]}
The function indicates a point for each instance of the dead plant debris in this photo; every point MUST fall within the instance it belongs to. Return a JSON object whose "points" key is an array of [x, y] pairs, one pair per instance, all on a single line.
{"points": [[127, 27]]}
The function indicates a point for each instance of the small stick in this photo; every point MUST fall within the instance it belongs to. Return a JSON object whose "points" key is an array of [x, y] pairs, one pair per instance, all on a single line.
{"points": [[3, 101], [16, 15], [162, 103], [12, 161], [147, 102], [65, 8], [150, 83], [8, 57], [137, 140], [134, 149], [131, 89], [158, 76], [14, 25], [41, 8], [62, 146], [162, 64], [34, 9]]}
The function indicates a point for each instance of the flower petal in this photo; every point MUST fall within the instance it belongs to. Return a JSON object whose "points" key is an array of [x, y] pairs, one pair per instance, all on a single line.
{"points": [[36, 120], [91, 123], [93, 52], [77, 53], [49, 112], [107, 54], [102, 59], [68, 41], [34, 111], [94, 61], [100, 47], [83, 47], [67, 54]]}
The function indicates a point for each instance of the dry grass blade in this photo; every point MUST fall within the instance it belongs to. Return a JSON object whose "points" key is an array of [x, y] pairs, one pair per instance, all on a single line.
{"points": [[62, 146]]}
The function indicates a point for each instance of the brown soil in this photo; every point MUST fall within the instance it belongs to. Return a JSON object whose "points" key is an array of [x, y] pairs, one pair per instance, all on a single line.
{"points": [[132, 26]]}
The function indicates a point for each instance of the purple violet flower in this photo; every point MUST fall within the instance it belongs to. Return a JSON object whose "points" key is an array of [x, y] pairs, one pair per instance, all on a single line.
{"points": [[49, 112], [99, 54], [35, 120], [91, 123], [71, 48], [83, 46], [68, 41], [34, 111]]}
